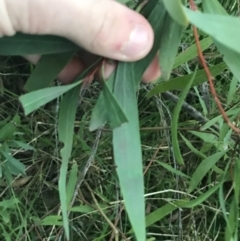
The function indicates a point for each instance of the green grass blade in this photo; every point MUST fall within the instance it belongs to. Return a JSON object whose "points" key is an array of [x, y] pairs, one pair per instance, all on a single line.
{"points": [[223, 207], [174, 125], [191, 52], [206, 137], [160, 213], [66, 131], [47, 70], [24, 44], [181, 82], [232, 90], [72, 181], [171, 169], [14, 165], [38, 98], [236, 194], [52, 220], [203, 168], [7, 131], [192, 148]]}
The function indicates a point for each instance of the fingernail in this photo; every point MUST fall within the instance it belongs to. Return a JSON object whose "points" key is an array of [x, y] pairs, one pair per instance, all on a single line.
{"points": [[137, 43]]}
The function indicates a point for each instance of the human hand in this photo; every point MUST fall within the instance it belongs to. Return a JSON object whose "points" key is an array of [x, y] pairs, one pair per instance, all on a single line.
{"points": [[102, 27]]}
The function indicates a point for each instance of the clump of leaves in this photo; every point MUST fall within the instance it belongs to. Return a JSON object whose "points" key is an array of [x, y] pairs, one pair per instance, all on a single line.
{"points": [[117, 104]]}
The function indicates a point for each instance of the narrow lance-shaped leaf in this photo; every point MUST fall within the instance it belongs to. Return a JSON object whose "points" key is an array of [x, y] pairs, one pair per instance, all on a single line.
{"points": [[191, 52], [126, 138], [180, 83], [47, 70], [231, 57], [72, 181], [66, 130], [221, 28], [174, 125], [115, 114], [100, 113], [24, 44], [203, 169], [165, 210], [38, 98]]}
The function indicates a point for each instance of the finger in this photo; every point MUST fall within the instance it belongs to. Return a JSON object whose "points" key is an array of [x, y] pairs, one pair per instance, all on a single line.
{"points": [[153, 71], [103, 27], [151, 74]]}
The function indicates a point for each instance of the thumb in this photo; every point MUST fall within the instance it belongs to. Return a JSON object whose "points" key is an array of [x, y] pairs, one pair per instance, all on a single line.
{"points": [[103, 27]]}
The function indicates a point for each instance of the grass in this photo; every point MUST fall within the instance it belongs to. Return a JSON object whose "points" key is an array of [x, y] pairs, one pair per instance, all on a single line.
{"points": [[29, 206]]}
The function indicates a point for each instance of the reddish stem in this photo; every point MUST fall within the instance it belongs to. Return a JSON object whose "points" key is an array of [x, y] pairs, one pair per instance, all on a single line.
{"points": [[209, 76]]}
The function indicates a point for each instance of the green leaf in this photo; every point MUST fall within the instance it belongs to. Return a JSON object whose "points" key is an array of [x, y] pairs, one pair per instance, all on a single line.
{"points": [[115, 114], [206, 137], [14, 165], [191, 52], [236, 181], [66, 130], [170, 207], [169, 43], [203, 169], [38, 98], [200, 199], [126, 138], [213, 6], [7, 131], [232, 90], [47, 70], [192, 148], [160, 213], [201, 101], [156, 19], [23, 145], [82, 209], [231, 57], [223, 207], [174, 8], [236, 195], [174, 125], [9, 203], [24, 44], [221, 28], [180, 83], [52, 220], [171, 169], [72, 181], [127, 150], [216, 119]]}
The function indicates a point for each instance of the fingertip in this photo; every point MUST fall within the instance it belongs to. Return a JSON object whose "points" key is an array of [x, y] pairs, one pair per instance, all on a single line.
{"points": [[153, 72]]}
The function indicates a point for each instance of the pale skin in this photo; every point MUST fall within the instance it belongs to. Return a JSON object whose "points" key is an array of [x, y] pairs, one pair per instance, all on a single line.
{"points": [[102, 27]]}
